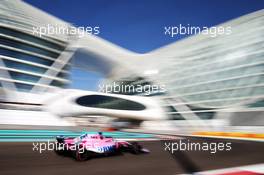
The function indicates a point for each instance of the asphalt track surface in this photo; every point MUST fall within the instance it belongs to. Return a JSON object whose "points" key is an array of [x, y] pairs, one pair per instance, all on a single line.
{"points": [[18, 158]]}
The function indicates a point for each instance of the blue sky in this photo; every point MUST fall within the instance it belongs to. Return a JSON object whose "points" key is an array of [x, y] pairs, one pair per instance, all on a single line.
{"points": [[138, 25]]}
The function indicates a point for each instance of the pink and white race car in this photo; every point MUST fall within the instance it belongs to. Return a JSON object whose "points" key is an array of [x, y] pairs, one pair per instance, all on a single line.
{"points": [[86, 146]]}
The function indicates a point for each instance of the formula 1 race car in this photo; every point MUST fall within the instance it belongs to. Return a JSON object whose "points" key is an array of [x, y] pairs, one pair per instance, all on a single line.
{"points": [[88, 145]]}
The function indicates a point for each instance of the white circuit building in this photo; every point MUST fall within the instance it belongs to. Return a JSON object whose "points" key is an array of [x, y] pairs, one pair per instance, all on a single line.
{"points": [[205, 78]]}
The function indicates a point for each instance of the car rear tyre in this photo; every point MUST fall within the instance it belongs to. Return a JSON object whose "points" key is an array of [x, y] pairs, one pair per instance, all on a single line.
{"points": [[81, 156], [59, 149]]}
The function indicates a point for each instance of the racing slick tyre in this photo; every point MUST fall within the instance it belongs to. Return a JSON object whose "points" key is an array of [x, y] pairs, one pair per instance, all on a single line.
{"points": [[81, 156], [59, 149], [135, 148]]}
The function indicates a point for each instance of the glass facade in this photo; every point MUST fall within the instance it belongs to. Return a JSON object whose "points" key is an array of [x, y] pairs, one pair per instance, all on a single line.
{"points": [[25, 56], [214, 74], [107, 102], [204, 75]]}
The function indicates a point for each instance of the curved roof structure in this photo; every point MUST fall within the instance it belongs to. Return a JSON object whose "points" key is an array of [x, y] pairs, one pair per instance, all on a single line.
{"points": [[202, 74]]}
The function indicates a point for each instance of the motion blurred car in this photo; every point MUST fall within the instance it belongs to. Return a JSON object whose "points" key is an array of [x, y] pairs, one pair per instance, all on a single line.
{"points": [[87, 146]]}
